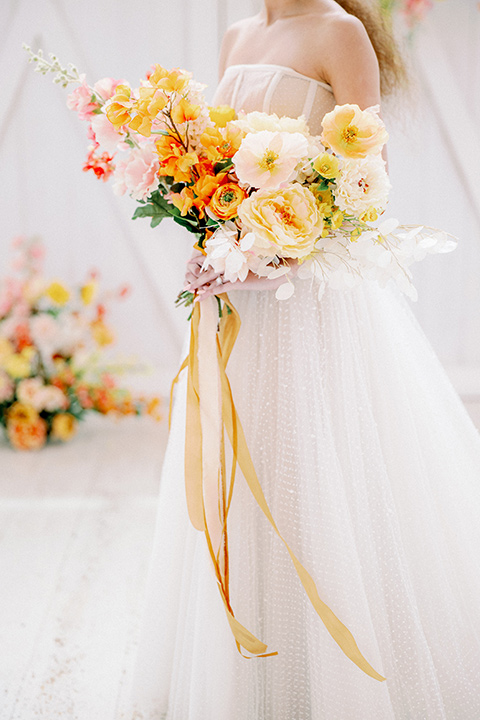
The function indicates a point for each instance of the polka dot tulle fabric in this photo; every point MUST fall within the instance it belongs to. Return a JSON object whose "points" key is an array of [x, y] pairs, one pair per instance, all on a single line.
{"points": [[371, 467]]}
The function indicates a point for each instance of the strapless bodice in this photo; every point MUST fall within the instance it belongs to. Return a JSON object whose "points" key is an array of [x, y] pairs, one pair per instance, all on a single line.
{"points": [[275, 89]]}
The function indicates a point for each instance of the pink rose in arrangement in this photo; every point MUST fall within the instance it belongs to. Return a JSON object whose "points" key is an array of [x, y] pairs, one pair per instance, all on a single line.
{"points": [[138, 174], [45, 331], [51, 398], [29, 392], [80, 100]]}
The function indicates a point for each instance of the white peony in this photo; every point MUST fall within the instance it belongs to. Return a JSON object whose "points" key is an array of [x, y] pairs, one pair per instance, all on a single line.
{"points": [[257, 121], [362, 184]]}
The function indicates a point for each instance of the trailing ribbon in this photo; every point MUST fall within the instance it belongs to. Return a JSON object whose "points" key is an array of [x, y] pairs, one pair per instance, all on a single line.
{"points": [[210, 410]]}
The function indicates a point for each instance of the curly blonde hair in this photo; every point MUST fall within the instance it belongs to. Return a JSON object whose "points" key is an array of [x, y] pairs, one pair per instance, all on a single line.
{"points": [[393, 71]]}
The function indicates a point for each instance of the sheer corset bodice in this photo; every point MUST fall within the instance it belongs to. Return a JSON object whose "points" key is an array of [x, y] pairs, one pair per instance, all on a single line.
{"points": [[275, 89]]}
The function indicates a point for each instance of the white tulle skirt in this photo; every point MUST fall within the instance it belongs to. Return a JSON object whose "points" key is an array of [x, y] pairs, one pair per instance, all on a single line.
{"points": [[371, 467]]}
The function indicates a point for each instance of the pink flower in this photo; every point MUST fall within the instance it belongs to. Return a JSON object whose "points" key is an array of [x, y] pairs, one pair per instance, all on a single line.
{"points": [[104, 133], [29, 392], [45, 332], [100, 164], [52, 398], [80, 100], [138, 174], [106, 87]]}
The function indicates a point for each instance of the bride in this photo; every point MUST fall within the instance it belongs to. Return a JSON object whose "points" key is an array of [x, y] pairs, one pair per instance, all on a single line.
{"points": [[366, 455]]}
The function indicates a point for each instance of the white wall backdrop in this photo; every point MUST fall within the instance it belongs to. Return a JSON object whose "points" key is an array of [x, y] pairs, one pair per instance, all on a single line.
{"points": [[43, 147]]}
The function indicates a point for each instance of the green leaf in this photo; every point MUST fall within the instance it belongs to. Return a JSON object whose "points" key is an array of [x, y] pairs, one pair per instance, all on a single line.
{"points": [[222, 165]]}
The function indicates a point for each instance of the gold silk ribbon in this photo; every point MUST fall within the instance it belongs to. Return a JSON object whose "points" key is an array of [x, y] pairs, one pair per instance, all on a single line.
{"points": [[209, 498]]}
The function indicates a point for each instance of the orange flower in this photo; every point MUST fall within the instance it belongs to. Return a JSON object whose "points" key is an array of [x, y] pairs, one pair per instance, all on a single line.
{"points": [[64, 426], [27, 435], [174, 160], [118, 112], [153, 408], [184, 111], [226, 200], [204, 189], [221, 144], [182, 200]]}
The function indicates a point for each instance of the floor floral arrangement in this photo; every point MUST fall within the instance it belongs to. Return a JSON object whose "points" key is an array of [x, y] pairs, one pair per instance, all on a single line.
{"points": [[53, 369], [413, 12]]}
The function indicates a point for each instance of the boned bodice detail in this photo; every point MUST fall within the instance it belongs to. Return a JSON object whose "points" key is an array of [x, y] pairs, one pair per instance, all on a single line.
{"points": [[275, 89]]}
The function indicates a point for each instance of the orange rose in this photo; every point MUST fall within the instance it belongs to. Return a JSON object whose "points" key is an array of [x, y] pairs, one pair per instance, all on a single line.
{"points": [[226, 200], [27, 435]]}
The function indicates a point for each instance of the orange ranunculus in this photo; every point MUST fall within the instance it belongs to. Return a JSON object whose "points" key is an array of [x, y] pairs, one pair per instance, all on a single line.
{"points": [[221, 115], [182, 200], [226, 200], [204, 189], [221, 144], [184, 111], [27, 435], [118, 112], [168, 80], [64, 426]]}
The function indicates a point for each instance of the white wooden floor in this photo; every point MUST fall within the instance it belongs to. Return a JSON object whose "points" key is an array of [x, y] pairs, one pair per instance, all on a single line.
{"points": [[76, 526]]}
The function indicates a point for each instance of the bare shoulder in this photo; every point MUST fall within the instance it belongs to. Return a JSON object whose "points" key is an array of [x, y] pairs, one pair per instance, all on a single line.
{"points": [[346, 59], [232, 37]]}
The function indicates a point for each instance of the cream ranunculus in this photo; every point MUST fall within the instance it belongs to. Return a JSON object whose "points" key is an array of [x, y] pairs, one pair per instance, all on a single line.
{"points": [[289, 219], [268, 159]]}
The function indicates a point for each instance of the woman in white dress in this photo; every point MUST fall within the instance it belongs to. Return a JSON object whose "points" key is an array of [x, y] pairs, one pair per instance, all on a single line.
{"points": [[366, 455]]}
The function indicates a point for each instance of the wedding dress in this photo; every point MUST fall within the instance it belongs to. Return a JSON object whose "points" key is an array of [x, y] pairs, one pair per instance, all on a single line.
{"points": [[371, 467]]}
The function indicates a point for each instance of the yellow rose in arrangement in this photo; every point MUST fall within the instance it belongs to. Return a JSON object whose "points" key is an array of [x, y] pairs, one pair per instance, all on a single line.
{"points": [[17, 365], [58, 293], [22, 412], [327, 166], [221, 115], [287, 219], [353, 133], [226, 200], [64, 426]]}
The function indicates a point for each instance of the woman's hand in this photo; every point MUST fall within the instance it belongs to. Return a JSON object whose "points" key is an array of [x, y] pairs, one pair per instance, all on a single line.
{"points": [[209, 282]]}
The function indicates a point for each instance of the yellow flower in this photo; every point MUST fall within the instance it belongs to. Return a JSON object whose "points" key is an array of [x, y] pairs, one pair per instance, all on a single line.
{"points": [[184, 111], [355, 234], [327, 166], [221, 115], [22, 413], [17, 366], [226, 200], [369, 215], [337, 219], [118, 112], [352, 132], [168, 80], [101, 333], [287, 220], [87, 292], [58, 293], [147, 107], [6, 348], [64, 426], [182, 200]]}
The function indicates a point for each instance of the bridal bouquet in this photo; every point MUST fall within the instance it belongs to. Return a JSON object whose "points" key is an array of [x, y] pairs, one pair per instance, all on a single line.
{"points": [[51, 367], [259, 192]]}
